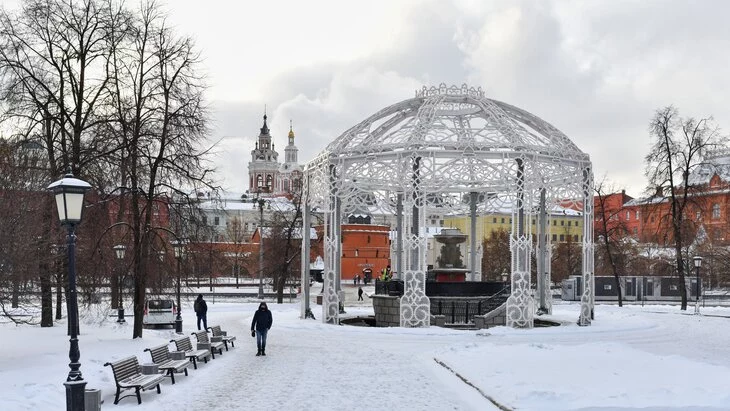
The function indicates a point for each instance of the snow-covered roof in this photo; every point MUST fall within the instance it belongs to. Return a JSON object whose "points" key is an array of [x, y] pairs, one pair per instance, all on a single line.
{"points": [[717, 162]]}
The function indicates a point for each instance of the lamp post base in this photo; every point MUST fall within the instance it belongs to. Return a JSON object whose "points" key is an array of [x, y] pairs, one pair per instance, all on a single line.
{"points": [[75, 391], [120, 315], [178, 325], [697, 307]]}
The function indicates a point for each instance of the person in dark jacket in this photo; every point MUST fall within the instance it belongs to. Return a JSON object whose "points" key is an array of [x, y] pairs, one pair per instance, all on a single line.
{"points": [[261, 322], [201, 310]]}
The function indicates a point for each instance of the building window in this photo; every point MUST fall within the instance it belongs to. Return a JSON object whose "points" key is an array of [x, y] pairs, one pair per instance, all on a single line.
{"points": [[637, 214], [205, 220], [555, 237], [698, 216], [636, 231], [555, 222], [216, 220], [628, 215], [502, 220], [562, 237], [562, 222], [575, 238], [569, 223], [576, 223], [494, 220], [716, 211]]}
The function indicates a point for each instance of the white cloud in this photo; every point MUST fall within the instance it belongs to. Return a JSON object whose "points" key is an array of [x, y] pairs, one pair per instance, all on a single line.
{"points": [[595, 70]]}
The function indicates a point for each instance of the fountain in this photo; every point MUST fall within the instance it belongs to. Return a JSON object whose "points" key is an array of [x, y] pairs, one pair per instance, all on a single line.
{"points": [[450, 266]]}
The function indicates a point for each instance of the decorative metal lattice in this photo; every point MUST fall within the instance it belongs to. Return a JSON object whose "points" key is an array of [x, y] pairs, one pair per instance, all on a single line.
{"points": [[443, 151]]}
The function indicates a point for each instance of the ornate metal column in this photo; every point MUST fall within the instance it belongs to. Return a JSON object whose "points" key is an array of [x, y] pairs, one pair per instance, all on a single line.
{"points": [[414, 304], [330, 299], [306, 247], [473, 197], [545, 303], [588, 296], [520, 305]]}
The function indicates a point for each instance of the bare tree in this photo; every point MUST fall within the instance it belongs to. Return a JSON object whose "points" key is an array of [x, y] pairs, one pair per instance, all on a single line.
{"points": [[678, 147], [609, 232], [496, 254], [160, 122], [283, 246]]}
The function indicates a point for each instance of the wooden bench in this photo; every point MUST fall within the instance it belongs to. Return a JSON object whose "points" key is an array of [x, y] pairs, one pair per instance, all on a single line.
{"points": [[161, 357], [183, 344], [215, 345], [127, 376], [216, 332]]}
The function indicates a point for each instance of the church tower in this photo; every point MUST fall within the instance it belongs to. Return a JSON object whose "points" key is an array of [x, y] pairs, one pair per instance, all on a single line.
{"points": [[264, 164], [290, 173]]}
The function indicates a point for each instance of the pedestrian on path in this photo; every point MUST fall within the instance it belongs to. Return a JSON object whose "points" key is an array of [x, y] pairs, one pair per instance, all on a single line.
{"points": [[201, 311], [261, 323], [359, 294]]}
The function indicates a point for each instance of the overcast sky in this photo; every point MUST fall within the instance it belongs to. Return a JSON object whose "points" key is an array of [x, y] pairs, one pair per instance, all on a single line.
{"points": [[597, 70]]}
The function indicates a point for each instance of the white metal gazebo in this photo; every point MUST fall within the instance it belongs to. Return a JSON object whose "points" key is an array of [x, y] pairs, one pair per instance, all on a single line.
{"points": [[453, 151]]}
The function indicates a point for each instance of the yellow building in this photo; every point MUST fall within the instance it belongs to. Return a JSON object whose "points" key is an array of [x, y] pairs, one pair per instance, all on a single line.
{"points": [[566, 225]]}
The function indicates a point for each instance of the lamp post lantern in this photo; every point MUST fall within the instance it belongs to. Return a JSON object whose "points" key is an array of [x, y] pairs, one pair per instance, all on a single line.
{"points": [[698, 263], [69, 192], [120, 250], [179, 248]]}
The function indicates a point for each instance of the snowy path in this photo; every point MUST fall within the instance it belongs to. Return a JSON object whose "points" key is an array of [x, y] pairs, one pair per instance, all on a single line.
{"points": [[361, 369]]}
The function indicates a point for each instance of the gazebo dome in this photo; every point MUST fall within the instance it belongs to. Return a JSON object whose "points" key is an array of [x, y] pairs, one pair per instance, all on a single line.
{"points": [[463, 142], [455, 120]]}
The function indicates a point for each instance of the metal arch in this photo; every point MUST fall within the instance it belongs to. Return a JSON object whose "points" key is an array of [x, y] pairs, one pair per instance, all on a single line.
{"points": [[430, 153]]}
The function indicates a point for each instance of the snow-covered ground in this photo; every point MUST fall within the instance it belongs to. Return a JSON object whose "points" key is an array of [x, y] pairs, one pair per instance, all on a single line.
{"points": [[649, 358]]}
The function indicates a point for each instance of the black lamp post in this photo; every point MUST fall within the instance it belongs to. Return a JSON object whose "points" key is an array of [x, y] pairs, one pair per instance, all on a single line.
{"points": [[69, 192], [698, 264], [261, 248], [120, 250], [179, 248]]}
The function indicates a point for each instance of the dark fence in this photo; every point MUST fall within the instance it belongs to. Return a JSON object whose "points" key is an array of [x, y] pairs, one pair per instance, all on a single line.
{"points": [[463, 289], [461, 310], [392, 287]]}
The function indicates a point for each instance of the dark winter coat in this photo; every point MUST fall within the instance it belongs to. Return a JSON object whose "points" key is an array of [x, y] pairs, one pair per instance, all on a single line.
{"points": [[262, 320], [202, 307]]}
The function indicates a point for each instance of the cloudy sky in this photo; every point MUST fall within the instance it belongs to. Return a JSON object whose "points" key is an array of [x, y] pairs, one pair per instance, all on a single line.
{"points": [[597, 70]]}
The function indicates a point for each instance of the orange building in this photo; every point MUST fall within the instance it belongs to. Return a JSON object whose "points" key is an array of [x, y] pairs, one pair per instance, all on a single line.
{"points": [[364, 247], [648, 219]]}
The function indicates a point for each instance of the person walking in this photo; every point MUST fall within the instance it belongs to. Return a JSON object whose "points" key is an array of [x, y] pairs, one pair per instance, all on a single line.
{"points": [[201, 311], [359, 294], [261, 323]]}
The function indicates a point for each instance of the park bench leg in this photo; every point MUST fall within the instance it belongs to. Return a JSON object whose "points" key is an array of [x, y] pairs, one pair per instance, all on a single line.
{"points": [[172, 375], [139, 397], [195, 362], [158, 388], [186, 372], [116, 397]]}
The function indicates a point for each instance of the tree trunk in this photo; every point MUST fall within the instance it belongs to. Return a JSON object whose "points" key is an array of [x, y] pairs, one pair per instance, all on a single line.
{"points": [[59, 296], [46, 297]]}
